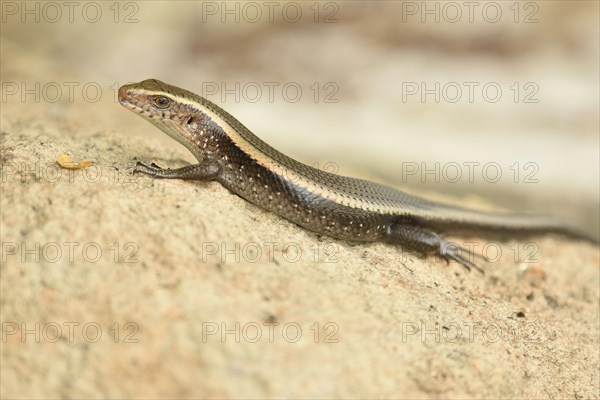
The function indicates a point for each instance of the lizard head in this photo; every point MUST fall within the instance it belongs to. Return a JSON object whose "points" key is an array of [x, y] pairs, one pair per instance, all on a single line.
{"points": [[185, 116]]}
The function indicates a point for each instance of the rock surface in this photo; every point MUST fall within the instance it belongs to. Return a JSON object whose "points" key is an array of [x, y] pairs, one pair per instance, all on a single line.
{"points": [[119, 286]]}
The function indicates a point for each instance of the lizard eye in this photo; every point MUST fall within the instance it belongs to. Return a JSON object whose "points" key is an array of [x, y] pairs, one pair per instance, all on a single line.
{"points": [[162, 102]]}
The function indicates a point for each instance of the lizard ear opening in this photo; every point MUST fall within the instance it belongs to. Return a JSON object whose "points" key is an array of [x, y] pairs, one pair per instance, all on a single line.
{"points": [[190, 120]]}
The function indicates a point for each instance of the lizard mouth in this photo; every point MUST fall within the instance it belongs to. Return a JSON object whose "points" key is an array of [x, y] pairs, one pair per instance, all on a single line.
{"points": [[125, 97]]}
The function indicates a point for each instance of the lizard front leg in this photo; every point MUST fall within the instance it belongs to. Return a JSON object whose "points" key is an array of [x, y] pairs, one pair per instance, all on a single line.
{"points": [[207, 170]]}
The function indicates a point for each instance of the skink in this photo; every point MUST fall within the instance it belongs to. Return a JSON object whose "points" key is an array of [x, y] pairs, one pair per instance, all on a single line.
{"points": [[337, 206]]}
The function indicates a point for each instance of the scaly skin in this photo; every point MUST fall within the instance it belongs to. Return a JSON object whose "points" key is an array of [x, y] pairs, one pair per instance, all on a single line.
{"points": [[337, 206]]}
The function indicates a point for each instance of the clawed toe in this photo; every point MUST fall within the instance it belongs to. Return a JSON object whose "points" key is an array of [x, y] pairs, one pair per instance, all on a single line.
{"points": [[143, 168], [142, 171], [465, 262]]}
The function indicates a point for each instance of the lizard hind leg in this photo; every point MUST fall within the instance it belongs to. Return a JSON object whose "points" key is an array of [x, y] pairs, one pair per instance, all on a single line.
{"points": [[417, 238]]}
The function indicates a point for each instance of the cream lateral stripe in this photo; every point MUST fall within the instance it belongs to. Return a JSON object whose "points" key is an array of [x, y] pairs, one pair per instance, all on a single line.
{"points": [[264, 160]]}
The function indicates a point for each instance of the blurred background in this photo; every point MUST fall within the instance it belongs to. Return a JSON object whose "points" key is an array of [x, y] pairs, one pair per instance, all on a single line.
{"points": [[493, 104], [494, 100]]}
